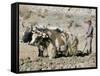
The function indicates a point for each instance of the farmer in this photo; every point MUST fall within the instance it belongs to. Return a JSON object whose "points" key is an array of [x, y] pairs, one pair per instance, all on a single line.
{"points": [[88, 37]]}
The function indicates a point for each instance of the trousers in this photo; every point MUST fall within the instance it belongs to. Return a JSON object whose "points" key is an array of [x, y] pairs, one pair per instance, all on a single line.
{"points": [[88, 45]]}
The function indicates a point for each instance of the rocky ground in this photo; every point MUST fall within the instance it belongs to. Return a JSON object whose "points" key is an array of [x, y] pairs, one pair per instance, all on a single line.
{"points": [[31, 62]]}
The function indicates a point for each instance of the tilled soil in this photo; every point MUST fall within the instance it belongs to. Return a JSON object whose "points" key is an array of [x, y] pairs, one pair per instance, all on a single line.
{"points": [[44, 63]]}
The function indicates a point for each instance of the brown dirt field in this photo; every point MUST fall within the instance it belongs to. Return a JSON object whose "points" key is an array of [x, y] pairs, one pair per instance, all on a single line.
{"points": [[35, 63]]}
